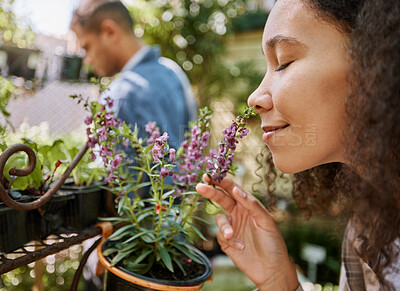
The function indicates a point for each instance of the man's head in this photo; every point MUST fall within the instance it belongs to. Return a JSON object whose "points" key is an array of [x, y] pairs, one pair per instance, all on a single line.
{"points": [[105, 30]]}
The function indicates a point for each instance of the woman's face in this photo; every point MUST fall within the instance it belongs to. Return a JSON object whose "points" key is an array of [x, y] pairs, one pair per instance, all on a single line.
{"points": [[301, 98]]}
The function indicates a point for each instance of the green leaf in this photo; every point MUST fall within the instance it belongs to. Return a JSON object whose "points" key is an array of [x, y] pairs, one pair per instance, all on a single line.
{"points": [[187, 251], [110, 251], [115, 219], [197, 231], [119, 257], [140, 258], [138, 168], [143, 215], [165, 195], [122, 230], [166, 258], [179, 265], [200, 219], [149, 237], [136, 236]]}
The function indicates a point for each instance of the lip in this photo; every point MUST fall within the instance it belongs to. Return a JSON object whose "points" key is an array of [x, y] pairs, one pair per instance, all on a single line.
{"points": [[270, 131]]}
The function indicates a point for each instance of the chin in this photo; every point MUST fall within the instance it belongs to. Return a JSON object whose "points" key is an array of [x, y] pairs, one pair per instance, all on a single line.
{"points": [[290, 166]]}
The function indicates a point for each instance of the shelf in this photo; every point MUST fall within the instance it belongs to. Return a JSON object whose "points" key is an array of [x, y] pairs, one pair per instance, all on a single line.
{"points": [[37, 250]]}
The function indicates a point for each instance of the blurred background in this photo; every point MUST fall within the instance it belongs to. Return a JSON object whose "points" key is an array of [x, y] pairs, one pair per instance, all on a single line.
{"points": [[218, 44]]}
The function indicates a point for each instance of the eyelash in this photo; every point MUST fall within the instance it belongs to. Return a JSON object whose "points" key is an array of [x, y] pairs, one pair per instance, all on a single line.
{"points": [[283, 67]]}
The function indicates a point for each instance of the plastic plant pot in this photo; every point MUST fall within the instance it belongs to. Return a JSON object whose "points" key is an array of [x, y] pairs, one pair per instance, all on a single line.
{"points": [[88, 204], [14, 225], [50, 218], [120, 279]]}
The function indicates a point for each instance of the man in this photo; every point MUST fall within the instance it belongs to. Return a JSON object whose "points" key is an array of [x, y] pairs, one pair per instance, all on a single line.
{"points": [[149, 87]]}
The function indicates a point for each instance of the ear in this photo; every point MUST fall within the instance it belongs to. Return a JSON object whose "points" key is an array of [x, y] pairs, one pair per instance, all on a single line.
{"points": [[110, 29]]}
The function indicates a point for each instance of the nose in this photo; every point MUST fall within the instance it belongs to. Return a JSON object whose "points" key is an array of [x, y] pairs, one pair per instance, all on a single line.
{"points": [[261, 98]]}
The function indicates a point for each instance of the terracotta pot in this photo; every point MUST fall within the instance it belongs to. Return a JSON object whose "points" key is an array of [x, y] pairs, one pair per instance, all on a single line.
{"points": [[119, 279]]}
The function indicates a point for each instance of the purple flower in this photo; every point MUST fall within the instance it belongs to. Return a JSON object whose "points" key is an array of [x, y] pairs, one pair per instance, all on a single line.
{"points": [[116, 161], [243, 132], [93, 156], [103, 134], [231, 142], [110, 102], [111, 177], [164, 172], [164, 137], [192, 178], [88, 120], [104, 152], [154, 132], [222, 148], [109, 120], [150, 127], [195, 132], [204, 139], [126, 143], [172, 155], [221, 161], [92, 142]]}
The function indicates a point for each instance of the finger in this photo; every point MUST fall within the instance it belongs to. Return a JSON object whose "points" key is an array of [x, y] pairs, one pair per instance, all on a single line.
{"points": [[224, 225], [229, 243], [256, 210], [219, 196], [226, 183]]}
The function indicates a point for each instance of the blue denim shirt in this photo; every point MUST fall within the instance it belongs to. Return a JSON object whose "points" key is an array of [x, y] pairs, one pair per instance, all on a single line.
{"points": [[154, 89]]}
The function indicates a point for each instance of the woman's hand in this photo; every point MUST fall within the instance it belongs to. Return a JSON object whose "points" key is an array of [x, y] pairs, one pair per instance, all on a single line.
{"points": [[250, 237]]}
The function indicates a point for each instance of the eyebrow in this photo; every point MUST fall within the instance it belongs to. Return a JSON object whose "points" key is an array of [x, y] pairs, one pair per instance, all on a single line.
{"points": [[273, 41]]}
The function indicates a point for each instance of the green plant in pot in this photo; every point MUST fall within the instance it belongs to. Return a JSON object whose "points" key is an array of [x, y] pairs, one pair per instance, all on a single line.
{"points": [[87, 186], [150, 249], [49, 218]]}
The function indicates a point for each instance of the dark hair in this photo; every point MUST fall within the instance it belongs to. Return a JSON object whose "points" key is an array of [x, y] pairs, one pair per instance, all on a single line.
{"points": [[92, 13], [372, 141]]}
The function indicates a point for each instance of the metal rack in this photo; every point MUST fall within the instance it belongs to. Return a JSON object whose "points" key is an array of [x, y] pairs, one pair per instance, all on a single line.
{"points": [[53, 244], [37, 250]]}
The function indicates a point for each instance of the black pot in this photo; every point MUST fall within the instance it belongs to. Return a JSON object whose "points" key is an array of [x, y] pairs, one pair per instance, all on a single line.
{"points": [[15, 226], [131, 281], [49, 219], [88, 204]]}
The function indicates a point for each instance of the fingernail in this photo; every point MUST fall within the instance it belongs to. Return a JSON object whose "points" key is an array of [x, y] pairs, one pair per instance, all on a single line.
{"points": [[241, 193], [239, 245], [227, 232]]}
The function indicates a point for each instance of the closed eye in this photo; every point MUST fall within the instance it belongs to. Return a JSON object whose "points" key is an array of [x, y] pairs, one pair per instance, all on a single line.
{"points": [[283, 67]]}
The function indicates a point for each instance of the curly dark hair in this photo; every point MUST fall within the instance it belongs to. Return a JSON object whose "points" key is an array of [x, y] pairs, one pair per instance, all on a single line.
{"points": [[368, 186]]}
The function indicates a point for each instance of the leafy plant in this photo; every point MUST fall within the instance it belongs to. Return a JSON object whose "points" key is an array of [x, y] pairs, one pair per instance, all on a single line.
{"points": [[51, 161], [156, 227], [7, 92]]}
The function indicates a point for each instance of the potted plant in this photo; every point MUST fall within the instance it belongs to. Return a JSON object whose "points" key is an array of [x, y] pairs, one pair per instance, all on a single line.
{"points": [[41, 222], [87, 186], [151, 248]]}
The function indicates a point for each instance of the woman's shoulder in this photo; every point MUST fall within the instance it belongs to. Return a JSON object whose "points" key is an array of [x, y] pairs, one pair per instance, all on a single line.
{"points": [[355, 272]]}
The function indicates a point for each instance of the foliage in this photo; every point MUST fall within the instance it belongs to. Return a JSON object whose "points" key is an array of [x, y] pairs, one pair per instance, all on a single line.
{"points": [[194, 34], [250, 20], [156, 212], [7, 92], [12, 33], [51, 161]]}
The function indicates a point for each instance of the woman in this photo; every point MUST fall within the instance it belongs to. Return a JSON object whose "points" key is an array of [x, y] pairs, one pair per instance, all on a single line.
{"points": [[318, 52]]}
